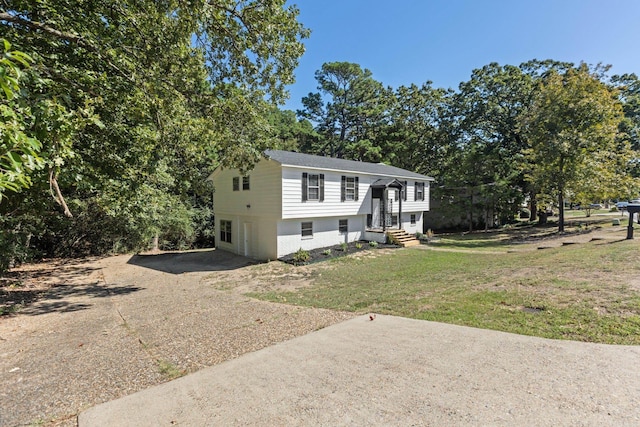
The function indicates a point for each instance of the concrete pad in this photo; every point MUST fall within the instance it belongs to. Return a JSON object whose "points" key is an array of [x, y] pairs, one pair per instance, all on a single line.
{"points": [[397, 371]]}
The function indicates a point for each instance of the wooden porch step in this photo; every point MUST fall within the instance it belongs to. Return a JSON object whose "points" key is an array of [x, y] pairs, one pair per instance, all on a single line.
{"points": [[402, 238]]}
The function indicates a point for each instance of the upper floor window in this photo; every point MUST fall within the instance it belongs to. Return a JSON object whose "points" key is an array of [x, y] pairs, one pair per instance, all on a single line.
{"points": [[236, 183], [419, 191], [349, 188], [312, 186], [245, 182]]}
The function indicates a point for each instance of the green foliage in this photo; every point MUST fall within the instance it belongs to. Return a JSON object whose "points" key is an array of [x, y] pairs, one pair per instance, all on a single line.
{"points": [[344, 246], [572, 126], [130, 106], [353, 114], [19, 152], [373, 244], [301, 257]]}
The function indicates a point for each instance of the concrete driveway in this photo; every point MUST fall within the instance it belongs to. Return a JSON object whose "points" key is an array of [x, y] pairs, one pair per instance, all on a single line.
{"points": [[400, 372]]}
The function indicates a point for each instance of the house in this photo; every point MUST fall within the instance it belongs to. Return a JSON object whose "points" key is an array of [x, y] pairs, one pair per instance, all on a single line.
{"points": [[292, 200]]}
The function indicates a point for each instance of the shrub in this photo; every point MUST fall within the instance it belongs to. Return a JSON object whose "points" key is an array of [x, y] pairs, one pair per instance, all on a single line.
{"points": [[326, 252], [525, 213], [301, 257], [358, 245], [343, 247], [373, 244]]}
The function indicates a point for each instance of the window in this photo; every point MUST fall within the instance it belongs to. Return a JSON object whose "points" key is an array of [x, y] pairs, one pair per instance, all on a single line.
{"points": [[349, 188], [396, 196], [245, 183], [225, 231], [343, 226], [306, 229], [413, 219], [419, 191], [236, 183], [312, 187]]}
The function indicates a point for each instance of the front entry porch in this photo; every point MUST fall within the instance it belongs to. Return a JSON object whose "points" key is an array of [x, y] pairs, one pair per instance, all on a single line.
{"points": [[386, 205]]}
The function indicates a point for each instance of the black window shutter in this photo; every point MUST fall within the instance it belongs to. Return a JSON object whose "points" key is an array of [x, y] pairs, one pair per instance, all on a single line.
{"points": [[356, 191], [321, 187], [305, 177], [415, 191], [343, 184], [404, 191]]}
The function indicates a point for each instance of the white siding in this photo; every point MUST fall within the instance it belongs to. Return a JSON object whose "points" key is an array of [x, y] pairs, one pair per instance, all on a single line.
{"points": [[325, 233], [263, 199], [259, 244], [406, 222], [411, 205], [294, 207]]}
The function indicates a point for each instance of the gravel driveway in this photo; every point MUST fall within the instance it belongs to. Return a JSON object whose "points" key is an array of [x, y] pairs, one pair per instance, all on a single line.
{"points": [[122, 324]]}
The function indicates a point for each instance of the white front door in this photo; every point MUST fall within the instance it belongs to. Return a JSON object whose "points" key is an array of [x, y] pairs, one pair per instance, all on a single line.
{"points": [[375, 213], [247, 239]]}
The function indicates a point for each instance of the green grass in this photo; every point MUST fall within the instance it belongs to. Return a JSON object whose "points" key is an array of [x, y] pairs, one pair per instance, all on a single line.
{"points": [[169, 370], [581, 292]]}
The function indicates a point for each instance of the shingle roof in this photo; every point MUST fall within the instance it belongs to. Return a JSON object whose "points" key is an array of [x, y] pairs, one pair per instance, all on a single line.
{"points": [[289, 158]]}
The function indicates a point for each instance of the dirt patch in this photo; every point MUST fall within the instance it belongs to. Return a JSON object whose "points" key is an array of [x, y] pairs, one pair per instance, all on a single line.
{"points": [[24, 285], [279, 276], [96, 330]]}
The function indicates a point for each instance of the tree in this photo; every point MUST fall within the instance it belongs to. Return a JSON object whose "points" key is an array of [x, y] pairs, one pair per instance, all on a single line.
{"points": [[574, 116], [353, 113], [19, 152], [147, 98], [290, 133], [486, 143], [413, 137]]}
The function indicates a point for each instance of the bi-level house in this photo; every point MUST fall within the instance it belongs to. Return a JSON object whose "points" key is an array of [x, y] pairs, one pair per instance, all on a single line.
{"points": [[292, 200]]}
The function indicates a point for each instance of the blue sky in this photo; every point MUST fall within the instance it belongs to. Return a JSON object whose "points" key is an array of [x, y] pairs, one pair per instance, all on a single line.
{"points": [[414, 41]]}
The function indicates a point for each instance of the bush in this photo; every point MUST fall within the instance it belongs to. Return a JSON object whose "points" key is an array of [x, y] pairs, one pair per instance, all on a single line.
{"points": [[373, 244], [326, 252], [343, 247], [525, 213], [358, 245], [301, 257]]}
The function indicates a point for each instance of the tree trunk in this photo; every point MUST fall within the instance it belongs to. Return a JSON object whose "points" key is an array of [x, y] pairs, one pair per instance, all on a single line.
{"points": [[561, 196], [155, 242], [533, 207], [561, 211], [471, 213]]}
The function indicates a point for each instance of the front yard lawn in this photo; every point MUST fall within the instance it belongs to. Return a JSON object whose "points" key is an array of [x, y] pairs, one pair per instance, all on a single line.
{"points": [[586, 292]]}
